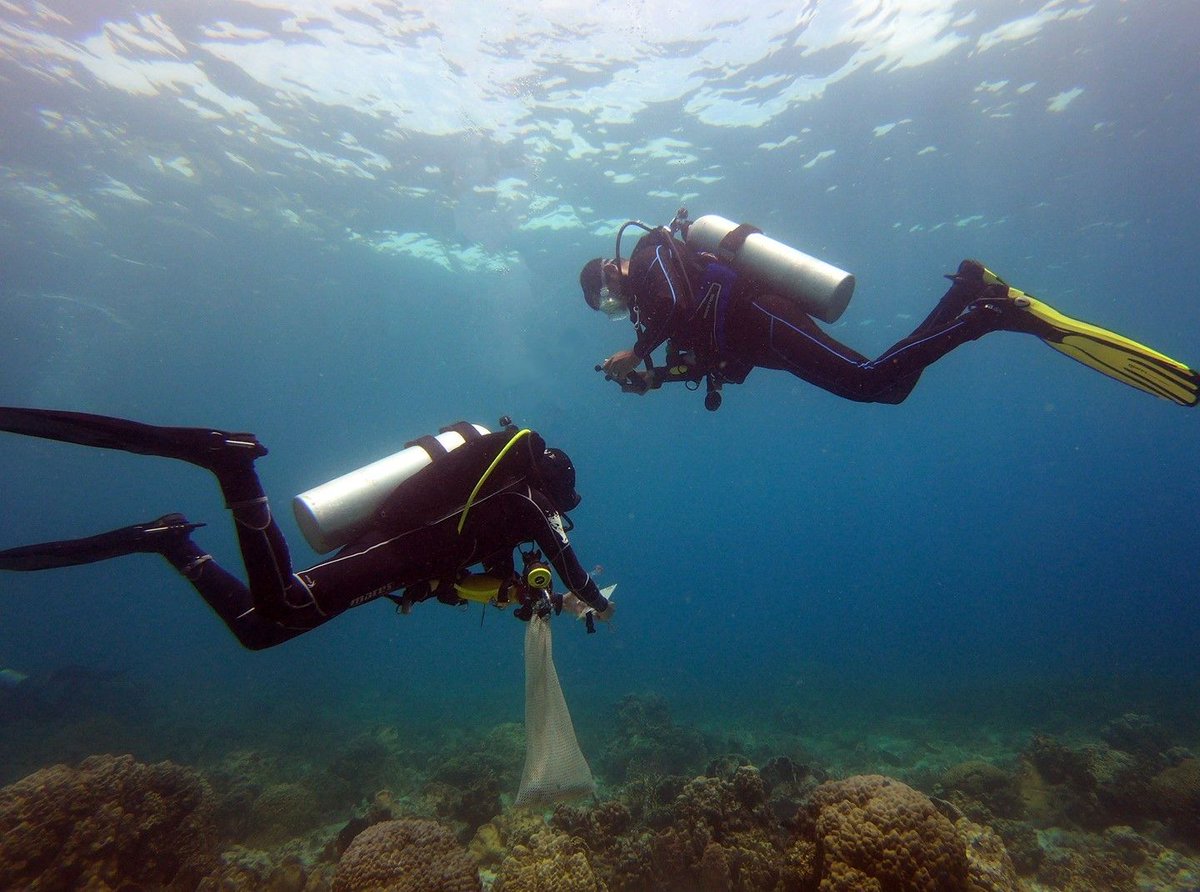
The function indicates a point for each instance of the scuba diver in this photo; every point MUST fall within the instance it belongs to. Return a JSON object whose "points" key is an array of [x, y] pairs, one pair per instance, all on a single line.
{"points": [[463, 498], [725, 298]]}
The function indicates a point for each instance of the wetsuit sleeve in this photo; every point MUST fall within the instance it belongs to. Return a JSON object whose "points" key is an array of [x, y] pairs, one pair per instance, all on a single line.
{"points": [[552, 540]]}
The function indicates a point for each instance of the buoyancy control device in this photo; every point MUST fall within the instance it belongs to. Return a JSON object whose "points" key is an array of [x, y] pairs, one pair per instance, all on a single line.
{"points": [[334, 513], [820, 288]]}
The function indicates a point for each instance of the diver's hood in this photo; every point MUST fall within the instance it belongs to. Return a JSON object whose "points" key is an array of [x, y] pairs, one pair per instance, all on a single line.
{"points": [[558, 479]]}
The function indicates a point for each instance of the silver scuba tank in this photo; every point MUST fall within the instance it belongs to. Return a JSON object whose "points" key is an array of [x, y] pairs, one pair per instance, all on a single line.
{"points": [[820, 288], [332, 514]]}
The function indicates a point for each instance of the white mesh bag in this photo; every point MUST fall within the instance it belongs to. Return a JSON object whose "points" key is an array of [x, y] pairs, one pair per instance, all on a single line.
{"points": [[555, 769]]}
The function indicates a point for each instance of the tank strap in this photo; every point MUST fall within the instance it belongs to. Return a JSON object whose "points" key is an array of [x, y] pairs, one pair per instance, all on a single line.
{"points": [[433, 445], [430, 444], [734, 239], [464, 429]]}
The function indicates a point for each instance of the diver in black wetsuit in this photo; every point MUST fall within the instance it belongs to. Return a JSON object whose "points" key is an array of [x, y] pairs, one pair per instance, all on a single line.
{"points": [[421, 539], [719, 322]]}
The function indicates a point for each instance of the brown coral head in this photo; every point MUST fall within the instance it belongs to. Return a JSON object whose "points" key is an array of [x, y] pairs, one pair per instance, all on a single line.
{"points": [[407, 855], [875, 832]]}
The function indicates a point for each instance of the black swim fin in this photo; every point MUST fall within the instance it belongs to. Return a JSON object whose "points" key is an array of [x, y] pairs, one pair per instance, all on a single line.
{"points": [[157, 536], [205, 447]]}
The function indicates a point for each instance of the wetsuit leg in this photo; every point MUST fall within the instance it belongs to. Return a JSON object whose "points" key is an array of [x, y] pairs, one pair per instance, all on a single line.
{"points": [[772, 332], [230, 599], [277, 604], [277, 593], [169, 536]]}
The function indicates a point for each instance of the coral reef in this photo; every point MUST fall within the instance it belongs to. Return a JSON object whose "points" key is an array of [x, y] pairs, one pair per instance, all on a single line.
{"points": [[721, 833], [1089, 788], [237, 780], [110, 823], [1021, 842], [251, 870], [716, 833], [647, 741], [983, 791], [1139, 735], [1097, 786], [383, 810], [366, 763], [406, 855], [788, 785], [548, 861], [282, 812], [875, 833], [988, 864], [465, 785], [495, 839], [1175, 792]]}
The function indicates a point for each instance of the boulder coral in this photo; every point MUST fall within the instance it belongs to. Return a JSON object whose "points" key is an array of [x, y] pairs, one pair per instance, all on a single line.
{"points": [[110, 823], [406, 855], [875, 833]]}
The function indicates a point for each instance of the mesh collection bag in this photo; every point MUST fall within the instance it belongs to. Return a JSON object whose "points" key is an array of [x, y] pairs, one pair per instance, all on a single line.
{"points": [[555, 768]]}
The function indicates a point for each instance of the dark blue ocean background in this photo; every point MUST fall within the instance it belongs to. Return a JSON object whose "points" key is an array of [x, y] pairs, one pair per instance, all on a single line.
{"points": [[341, 226]]}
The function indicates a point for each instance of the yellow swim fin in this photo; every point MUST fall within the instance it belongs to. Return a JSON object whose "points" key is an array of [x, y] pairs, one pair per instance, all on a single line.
{"points": [[1105, 351]]}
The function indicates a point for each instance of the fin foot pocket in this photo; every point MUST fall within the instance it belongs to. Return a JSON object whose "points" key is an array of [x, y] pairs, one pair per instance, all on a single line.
{"points": [[155, 537], [1104, 351], [211, 449]]}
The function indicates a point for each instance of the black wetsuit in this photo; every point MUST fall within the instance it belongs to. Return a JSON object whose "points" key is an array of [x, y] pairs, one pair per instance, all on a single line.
{"points": [[413, 542], [732, 328]]}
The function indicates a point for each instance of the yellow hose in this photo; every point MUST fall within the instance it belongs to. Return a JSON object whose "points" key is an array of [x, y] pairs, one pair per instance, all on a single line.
{"points": [[503, 452]]}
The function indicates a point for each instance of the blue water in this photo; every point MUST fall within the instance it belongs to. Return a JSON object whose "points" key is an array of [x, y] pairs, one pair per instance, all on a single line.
{"points": [[342, 227]]}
